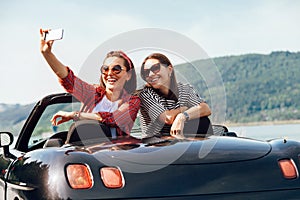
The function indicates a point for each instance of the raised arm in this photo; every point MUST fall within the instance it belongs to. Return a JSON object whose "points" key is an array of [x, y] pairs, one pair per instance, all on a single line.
{"points": [[46, 49]]}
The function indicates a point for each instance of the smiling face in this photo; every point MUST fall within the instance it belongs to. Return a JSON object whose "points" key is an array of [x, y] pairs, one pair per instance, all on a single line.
{"points": [[158, 78], [113, 78]]}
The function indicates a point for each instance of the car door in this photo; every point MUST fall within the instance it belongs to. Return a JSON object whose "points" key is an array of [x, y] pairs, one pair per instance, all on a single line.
{"points": [[35, 131]]}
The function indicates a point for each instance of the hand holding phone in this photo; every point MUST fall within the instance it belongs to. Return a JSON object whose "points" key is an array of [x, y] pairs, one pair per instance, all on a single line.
{"points": [[56, 34]]}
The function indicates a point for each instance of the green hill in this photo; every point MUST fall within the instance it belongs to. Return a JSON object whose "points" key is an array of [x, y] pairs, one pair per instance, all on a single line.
{"points": [[258, 87], [12, 116]]}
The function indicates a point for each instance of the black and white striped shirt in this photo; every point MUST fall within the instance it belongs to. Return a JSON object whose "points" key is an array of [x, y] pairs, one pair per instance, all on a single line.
{"points": [[153, 104]]}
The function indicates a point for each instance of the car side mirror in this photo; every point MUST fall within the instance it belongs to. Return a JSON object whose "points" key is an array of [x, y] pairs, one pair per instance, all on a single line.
{"points": [[6, 139]]}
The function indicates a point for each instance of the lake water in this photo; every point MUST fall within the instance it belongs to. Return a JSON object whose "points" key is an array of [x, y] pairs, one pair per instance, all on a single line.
{"points": [[266, 132]]}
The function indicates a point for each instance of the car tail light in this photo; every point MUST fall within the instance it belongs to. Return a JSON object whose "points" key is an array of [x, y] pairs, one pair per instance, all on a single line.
{"points": [[112, 177], [79, 176], [288, 168]]}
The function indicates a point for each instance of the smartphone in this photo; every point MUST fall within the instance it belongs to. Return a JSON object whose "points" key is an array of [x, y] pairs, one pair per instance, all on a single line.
{"points": [[55, 34]]}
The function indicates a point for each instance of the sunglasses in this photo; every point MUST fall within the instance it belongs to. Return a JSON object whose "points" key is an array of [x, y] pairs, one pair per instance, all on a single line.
{"points": [[117, 69], [154, 68]]}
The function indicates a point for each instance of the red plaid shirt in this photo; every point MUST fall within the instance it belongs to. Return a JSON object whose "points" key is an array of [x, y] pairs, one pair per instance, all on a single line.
{"points": [[90, 95]]}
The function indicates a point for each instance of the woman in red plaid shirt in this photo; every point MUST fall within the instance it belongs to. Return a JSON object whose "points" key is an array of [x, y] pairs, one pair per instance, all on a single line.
{"points": [[111, 102]]}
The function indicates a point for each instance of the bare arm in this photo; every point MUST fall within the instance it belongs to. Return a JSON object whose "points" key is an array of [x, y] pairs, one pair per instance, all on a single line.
{"points": [[169, 115], [194, 112], [45, 47], [62, 116], [198, 111]]}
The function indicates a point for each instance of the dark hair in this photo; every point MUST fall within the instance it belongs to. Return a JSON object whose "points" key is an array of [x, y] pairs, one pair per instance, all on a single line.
{"points": [[164, 60], [130, 85]]}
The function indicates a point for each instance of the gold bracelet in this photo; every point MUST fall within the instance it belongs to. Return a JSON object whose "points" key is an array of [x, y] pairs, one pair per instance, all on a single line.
{"points": [[76, 116]]}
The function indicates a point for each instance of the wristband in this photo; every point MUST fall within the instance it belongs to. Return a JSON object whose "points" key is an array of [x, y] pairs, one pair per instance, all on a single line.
{"points": [[187, 117], [76, 116]]}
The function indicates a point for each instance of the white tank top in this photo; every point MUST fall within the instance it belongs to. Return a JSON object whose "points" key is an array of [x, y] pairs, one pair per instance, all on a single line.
{"points": [[105, 105]]}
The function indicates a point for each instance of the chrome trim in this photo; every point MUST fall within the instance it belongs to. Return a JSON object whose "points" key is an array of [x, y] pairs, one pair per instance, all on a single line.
{"points": [[20, 186]]}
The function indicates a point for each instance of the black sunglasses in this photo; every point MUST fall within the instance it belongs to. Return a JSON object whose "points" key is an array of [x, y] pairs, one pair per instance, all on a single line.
{"points": [[117, 69], [154, 68]]}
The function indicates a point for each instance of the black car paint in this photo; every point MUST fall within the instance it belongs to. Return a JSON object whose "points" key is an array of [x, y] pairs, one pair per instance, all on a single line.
{"points": [[235, 168]]}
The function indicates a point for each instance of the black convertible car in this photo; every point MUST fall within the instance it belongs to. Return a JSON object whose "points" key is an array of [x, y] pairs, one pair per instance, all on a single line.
{"points": [[82, 163]]}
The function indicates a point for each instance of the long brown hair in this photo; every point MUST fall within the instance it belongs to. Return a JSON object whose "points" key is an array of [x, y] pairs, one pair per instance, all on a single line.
{"points": [[130, 85], [164, 60]]}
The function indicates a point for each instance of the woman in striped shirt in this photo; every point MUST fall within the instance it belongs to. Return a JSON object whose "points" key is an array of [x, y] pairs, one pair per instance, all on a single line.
{"points": [[111, 102], [166, 105]]}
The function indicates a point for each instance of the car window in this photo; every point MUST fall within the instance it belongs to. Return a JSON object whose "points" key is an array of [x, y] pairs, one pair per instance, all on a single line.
{"points": [[44, 128]]}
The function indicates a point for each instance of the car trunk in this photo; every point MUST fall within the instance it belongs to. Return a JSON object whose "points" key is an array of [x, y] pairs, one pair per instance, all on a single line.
{"points": [[211, 167], [206, 151]]}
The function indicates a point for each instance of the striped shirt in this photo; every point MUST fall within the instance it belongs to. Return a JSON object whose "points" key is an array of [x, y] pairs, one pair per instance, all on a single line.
{"points": [[153, 104], [90, 95]]}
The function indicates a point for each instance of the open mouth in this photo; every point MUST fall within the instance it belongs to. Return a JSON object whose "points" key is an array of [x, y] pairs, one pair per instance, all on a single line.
{"points": [[153, 80], [111, 80]]}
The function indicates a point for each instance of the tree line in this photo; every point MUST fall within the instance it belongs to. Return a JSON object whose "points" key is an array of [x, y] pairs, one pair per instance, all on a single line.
{"points": [[258, 87]]}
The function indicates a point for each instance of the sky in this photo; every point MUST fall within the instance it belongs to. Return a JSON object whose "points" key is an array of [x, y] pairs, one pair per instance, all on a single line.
{"points": [[220, 27]]}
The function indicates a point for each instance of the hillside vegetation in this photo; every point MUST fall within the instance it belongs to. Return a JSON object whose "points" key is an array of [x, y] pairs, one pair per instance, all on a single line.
{"points": [[258, 87], [12, 116]]}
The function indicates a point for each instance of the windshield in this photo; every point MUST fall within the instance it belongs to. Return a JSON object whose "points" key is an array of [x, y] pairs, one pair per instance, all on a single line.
{"points": [[44, 129]]}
